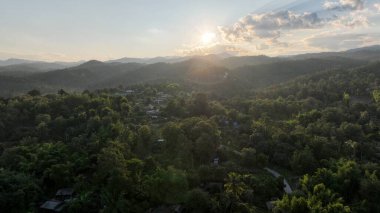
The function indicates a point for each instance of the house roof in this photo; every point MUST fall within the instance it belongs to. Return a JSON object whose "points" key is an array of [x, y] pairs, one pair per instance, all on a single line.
{"points": [[64, 192], [54, 205], [161, 209], [168, 209]]}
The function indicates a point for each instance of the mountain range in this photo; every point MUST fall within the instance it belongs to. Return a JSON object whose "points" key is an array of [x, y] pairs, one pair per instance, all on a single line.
{"points": [[218, 72]]}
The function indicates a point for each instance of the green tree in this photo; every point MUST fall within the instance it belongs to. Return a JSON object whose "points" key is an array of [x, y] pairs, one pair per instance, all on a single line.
{"points": [[167, 186], [320, 199], [248, 157], [34, 92], [18, 192], [234, 186], [376, 95], [198, 201], [200, 105], [303, 161], [346, 99]]}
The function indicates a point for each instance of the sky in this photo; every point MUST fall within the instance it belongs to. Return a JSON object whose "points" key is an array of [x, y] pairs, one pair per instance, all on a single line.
{"points": [[72, 30]]}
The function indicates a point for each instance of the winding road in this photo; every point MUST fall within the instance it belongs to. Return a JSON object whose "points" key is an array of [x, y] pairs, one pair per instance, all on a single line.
{"points": [[287, 188]]}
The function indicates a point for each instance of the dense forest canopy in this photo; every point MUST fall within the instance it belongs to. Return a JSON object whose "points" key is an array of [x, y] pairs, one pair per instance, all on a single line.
{"points": [[197, 106], [307, 145]]}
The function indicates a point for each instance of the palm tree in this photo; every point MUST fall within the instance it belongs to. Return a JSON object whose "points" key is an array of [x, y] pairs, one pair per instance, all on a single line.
{"points": [[234, 188]]}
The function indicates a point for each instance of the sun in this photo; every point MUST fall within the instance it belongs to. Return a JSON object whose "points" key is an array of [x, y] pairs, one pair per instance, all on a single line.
{"points": [[208, 37]]}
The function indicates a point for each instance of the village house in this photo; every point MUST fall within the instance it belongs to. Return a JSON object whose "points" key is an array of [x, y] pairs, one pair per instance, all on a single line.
{"points": [[59, 202], [129, 92], [168, 209]]}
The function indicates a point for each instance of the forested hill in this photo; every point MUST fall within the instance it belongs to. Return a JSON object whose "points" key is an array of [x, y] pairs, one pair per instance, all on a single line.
{"points": [[197, 72], [210, 72], [370, 53], [155, 147], [360, 81], [274, 73]]}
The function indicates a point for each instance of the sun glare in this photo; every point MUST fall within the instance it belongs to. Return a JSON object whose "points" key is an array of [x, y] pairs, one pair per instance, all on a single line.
{"points": [[208, 37]]}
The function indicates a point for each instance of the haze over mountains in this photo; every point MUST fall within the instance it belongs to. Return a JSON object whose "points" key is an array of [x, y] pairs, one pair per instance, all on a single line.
{"points": [[22, 67], [19, 76]]}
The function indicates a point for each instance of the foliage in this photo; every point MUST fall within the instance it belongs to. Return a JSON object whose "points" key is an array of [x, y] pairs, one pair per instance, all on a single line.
{"points": [[204, 151]]}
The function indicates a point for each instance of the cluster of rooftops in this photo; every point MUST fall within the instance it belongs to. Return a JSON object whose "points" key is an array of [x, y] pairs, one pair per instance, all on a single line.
{"points": [[59, 202]]}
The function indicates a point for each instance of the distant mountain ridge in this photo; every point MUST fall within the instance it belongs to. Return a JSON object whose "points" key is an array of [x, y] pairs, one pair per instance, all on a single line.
{"points": [[21, 67], [84, 75], [372, 52], [15, 61], [216, 72], [149, 60]]}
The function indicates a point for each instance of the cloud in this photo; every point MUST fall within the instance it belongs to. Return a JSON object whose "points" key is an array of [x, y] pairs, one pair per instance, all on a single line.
{"points": [[344, 4], [351, 20], [262, 46], [377, 7], [269, 25], [214, 49], [290, 32], [337, 42]]}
